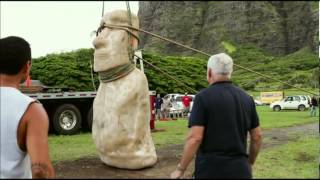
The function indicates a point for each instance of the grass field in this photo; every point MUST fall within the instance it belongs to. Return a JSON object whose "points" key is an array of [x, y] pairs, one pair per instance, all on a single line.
{"points": [[76, 146], [285, 118], [296, 159], [299, 159]]}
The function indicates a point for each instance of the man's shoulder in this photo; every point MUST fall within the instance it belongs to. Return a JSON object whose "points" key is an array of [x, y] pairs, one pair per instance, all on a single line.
{"points": [[240, 90], [35, 111], [202, 94], [243, 94]]}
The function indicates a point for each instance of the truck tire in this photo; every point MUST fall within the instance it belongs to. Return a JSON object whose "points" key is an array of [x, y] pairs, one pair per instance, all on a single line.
{"points": [[276, 108], [66, 119], [90, 118], [301, 107]]}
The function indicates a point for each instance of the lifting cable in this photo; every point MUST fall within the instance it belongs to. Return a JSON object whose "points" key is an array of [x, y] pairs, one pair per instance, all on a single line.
{"points": [[130, 27], [102, 9], [125, 27], [92, 79], [167, 74], [159, 69], [204, 53], [130, 48], [91, 66]]}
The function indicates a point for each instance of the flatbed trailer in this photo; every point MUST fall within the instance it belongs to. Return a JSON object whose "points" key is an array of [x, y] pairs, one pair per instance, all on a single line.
{"points": [[69, 112]]}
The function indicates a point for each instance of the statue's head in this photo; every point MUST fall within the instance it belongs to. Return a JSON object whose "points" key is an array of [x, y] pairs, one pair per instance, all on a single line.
{"points": [[111, 44]]}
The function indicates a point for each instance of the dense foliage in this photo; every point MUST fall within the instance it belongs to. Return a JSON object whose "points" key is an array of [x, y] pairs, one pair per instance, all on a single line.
{"points": [[72, 70], [66, 70], [189, 70], [300, 68]]}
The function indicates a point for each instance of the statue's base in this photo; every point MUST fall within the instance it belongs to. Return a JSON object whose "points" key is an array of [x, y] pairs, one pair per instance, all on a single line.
{"points": [[157, 130], [168, 119], [130, 162]]}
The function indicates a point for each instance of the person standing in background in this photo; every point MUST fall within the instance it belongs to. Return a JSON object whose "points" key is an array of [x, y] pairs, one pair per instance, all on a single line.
{"points": [[158, 106], [314, 106], [166, 107], [186, 103]]}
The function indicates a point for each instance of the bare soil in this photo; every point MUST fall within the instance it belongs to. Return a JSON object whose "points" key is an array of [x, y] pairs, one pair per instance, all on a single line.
{"points": [[280, 136], [168, 158]]}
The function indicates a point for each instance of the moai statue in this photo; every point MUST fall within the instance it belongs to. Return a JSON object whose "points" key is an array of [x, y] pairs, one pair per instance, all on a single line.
{"points": [[121, 109]]}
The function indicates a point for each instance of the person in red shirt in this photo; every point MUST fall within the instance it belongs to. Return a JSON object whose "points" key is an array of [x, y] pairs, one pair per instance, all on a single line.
{"points": [[186, 103]]}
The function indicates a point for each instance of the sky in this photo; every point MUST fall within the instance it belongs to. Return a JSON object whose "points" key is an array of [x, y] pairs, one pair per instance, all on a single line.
{"points": [[55, 26]]}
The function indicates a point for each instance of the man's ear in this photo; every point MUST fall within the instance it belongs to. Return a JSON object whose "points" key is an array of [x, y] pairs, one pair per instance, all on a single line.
{"points": [[26, 69], [210, 73]]}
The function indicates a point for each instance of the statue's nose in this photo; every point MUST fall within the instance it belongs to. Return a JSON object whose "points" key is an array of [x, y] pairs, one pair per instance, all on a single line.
{"points": [[98, 42]]}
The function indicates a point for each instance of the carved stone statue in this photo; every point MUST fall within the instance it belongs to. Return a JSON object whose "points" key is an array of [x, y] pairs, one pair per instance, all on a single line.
{"points": [[121, 109]]}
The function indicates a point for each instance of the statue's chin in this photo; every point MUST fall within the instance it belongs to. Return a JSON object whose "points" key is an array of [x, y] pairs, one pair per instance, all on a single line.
{"points": [[101, 57], [105, 59]]}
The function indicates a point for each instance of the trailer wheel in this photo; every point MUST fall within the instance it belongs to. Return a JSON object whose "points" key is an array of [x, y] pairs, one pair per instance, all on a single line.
{"points": [[90, 118], [67, 119]]}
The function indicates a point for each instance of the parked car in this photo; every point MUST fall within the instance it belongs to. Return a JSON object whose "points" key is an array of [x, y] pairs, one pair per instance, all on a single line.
{"points": [[258, 103], [172, 96], [299, 102]]}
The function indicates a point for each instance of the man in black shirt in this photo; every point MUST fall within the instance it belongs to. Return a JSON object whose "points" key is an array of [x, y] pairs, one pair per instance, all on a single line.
{"points": [[158, 104], [221, 117]]}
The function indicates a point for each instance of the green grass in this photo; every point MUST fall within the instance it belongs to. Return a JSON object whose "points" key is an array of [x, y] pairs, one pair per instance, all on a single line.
{"points": [[298, 159], [175, 132], [285, 118], [315, 5], [80, 145], [71, 147], [76, 146], [228, 46], [293, 68]]}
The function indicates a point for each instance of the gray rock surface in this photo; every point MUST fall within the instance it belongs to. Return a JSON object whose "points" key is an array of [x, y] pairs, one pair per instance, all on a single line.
{"points": [[279, 27]]}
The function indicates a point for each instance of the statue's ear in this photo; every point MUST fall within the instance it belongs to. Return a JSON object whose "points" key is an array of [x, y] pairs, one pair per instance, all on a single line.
{"points": [[134, 43]]}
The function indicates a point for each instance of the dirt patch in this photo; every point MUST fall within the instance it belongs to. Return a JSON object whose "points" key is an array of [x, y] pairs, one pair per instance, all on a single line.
{"points": [[280, 136], [92, 167], [157, 130], [168, 158], [304, 157]]}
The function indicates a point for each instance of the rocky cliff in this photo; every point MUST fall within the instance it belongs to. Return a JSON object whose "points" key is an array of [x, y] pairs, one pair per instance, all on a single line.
{"points": [[279, 27]]}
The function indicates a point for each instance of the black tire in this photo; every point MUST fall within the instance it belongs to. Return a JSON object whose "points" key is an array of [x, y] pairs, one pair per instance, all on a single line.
{"points": [[90, 118], [66, 119], [276, 108], [301, 107]]}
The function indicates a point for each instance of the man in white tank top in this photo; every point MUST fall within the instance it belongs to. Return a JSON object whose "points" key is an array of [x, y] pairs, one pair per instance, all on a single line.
{"points": [[23, 122]]}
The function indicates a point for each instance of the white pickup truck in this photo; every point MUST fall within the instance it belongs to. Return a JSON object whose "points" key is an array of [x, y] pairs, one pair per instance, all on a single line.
{"points": [[299, 102]]}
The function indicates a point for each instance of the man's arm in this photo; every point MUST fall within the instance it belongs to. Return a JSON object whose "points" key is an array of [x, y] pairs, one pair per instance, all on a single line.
{"points": [[255, 144], [193, 142], [37, 141]]}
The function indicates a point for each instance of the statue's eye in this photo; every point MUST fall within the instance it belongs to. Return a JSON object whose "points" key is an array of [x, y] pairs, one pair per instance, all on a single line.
{"points": [[99, 30]]}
